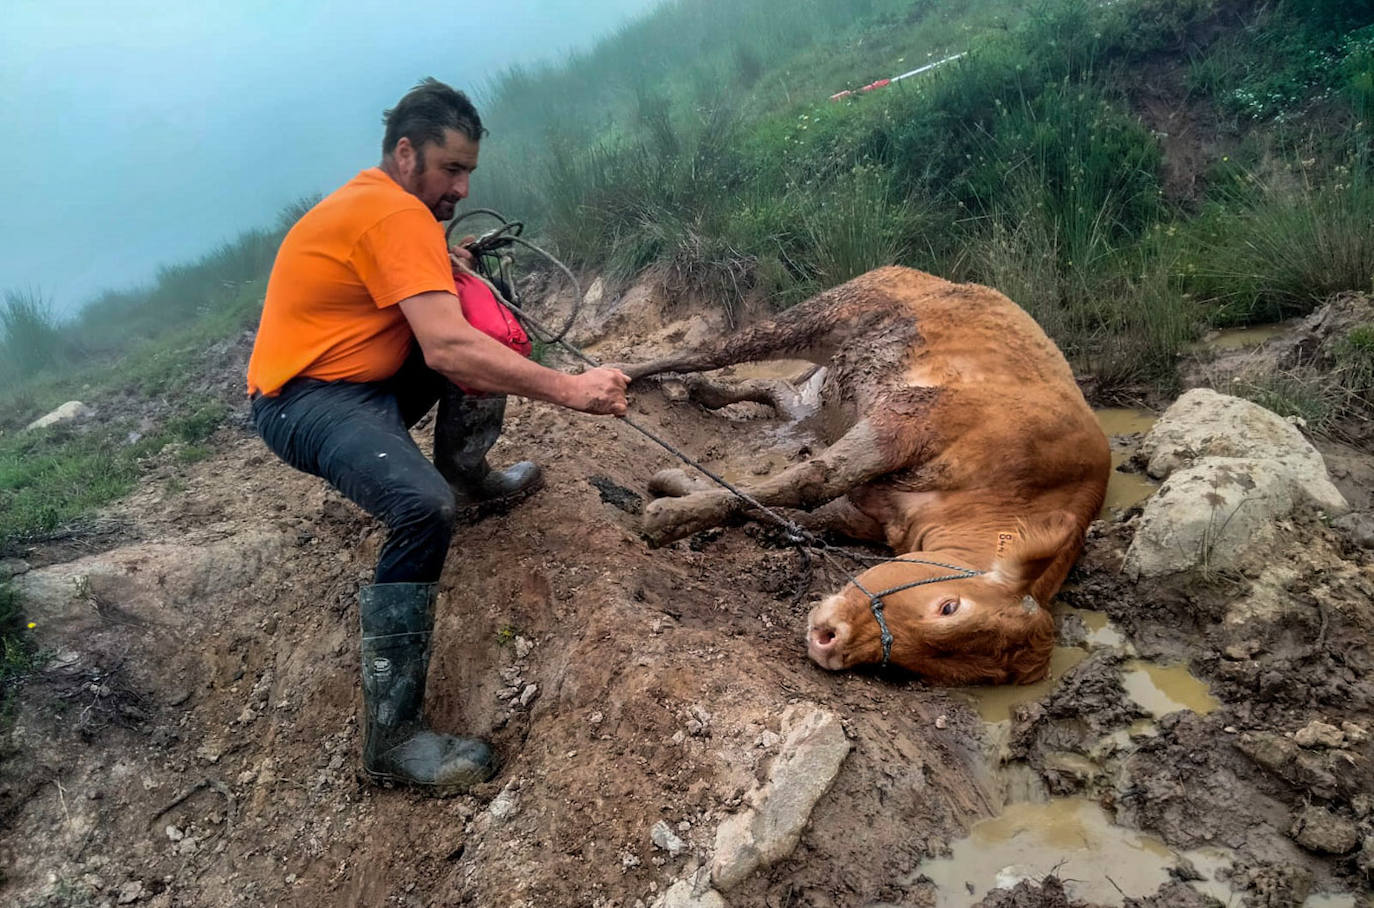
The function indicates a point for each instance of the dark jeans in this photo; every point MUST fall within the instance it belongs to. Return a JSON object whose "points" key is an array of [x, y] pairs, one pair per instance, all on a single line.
{"points": [[355, 435]]}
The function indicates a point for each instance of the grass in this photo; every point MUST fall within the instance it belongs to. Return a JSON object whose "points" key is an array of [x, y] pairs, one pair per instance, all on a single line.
{"points": [[1018, 167], [1280, 251], [30, 340], [1355, 363]]}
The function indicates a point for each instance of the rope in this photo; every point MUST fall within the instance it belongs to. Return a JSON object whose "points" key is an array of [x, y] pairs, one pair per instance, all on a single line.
{"points": [[509, 233], [803, 540]]}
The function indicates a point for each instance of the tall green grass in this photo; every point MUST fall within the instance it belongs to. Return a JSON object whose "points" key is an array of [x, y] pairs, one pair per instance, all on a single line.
{"points": [[1278, 252], [30, 338]]}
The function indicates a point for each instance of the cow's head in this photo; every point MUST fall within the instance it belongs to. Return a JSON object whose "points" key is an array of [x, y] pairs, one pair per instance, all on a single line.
{"points": [[983, 629]]}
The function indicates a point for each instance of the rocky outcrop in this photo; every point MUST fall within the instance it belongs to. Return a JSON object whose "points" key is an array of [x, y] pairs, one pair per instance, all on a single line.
{"points": [[1232, 471]]}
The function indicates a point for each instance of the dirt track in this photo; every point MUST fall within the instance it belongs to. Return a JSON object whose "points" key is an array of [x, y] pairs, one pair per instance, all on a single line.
{"points": [[194, 740]]}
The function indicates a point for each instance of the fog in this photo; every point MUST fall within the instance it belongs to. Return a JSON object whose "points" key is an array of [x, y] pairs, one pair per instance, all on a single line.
{"points": [[144, 132]]}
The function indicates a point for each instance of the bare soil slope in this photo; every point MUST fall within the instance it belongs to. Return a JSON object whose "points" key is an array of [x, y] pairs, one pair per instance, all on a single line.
{"points": [[194, 740]]}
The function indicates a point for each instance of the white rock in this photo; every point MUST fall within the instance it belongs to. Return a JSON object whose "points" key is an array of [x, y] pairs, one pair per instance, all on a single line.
{"points": [[1233, 470], [173, 833], [70, 411], [595, 292], [1203, 423], [1207, 514], [804, 769], [131, 892], [528, 693], [663, 836], [503, 806]]}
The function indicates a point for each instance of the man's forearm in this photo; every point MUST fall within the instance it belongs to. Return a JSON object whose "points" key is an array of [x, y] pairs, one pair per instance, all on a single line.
{"points": [[474, 360], [467, 357]]}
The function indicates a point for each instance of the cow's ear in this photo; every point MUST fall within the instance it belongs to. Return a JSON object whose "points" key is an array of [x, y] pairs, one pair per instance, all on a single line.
{"points": [[1034, 548]]}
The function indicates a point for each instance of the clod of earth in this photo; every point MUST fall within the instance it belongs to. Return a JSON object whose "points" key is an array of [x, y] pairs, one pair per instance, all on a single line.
{"points": [[1318, 829]]}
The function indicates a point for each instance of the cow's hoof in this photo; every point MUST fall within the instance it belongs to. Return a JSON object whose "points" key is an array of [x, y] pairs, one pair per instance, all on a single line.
{"points": [[675, 483], [667, 519], [661, 520]]}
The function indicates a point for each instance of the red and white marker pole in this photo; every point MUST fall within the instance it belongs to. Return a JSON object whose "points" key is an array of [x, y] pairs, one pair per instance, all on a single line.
{"points": [[884, 82]]}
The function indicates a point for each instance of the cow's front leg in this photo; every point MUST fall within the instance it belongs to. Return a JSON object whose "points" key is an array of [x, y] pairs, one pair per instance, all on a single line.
{"points": [[858, 457], [840, 516]]}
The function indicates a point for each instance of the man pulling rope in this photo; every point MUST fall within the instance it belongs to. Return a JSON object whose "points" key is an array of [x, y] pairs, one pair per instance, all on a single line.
{"points": [[361, 332]]}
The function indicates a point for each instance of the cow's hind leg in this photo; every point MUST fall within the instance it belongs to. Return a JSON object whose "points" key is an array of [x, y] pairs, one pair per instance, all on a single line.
{"points": [[812, 331], [858, 457]]}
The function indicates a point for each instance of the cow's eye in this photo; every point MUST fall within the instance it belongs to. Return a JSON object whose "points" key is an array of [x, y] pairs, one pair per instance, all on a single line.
{"points": [[949, 607]]}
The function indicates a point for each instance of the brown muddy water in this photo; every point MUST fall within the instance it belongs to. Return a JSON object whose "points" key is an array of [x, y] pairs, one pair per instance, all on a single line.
{"points": [[789, 370], [1074, 837], [994, 704], [1162, 689], [1239, 338], [1123, 427], [1101, 860], [1158, 689]]}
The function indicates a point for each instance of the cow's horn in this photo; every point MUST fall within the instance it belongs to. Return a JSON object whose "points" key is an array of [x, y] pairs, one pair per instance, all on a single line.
{"points": [[1029, 605]]}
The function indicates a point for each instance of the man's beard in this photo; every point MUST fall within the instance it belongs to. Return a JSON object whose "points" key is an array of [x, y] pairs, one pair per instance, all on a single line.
{"points": [[446, 206]]}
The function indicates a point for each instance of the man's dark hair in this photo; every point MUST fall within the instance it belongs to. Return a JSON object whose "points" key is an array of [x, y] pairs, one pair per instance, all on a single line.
{"points": [[425, 112]]}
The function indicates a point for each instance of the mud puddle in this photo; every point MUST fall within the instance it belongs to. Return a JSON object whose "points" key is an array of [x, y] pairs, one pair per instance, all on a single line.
{"points": [[1163, 689], [1072, 837], [1239, 338], [1123, 428], [995, 704], [786, 438], [1156, 688], [1100, 630], [1075, 839]]}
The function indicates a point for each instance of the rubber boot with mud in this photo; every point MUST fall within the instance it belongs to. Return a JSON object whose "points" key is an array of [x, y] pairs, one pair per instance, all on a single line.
{"points": [[464, 431], [398, 745]]}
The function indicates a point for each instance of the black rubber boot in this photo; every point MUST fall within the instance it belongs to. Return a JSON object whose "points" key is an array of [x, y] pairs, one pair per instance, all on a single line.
{"points": [[398, 744], [464, 431]]}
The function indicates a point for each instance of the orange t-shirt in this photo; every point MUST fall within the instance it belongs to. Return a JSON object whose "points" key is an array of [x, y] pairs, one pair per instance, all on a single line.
{"points": [[330, 311]]}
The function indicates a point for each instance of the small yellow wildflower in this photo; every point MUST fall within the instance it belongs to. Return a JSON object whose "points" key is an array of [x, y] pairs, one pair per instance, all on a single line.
{"points": [[32, 625]]}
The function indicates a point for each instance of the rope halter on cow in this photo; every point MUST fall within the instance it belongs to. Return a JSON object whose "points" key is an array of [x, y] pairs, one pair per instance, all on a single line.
{"points": [[875, 600]]}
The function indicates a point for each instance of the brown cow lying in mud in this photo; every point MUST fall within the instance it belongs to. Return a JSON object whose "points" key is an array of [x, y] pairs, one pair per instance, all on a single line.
{"points": [[955, 431]]}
